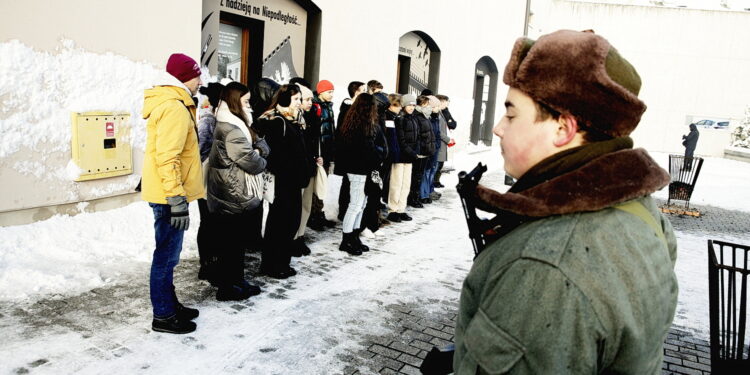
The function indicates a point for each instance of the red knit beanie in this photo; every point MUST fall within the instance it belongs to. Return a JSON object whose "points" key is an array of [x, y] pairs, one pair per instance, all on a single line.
{"points": [[183, 67], [324, 86]]}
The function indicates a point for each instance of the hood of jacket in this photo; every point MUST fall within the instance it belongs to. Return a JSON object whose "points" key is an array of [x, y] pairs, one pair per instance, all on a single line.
{"points": [[165, 88]]}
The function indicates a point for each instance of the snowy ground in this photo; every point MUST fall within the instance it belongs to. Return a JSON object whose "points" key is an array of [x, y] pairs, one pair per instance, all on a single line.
{"points": [[302, 325]]}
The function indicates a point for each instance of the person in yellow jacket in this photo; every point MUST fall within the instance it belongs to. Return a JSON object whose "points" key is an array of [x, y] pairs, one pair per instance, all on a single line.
{"points": [[171, 178]]}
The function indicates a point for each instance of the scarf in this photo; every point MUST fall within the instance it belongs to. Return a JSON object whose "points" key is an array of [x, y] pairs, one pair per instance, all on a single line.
{"points": [[224, 115]]}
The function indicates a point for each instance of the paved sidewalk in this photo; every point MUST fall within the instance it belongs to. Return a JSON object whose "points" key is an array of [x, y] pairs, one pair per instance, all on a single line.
{"points": [[110, 324]]}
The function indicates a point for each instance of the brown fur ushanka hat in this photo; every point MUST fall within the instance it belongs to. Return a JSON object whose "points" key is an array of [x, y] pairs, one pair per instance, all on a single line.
{"points": [[578, 73]]}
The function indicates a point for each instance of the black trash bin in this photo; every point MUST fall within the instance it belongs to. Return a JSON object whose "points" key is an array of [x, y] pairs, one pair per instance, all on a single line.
{"points": [[683, 173], [728, 270]]}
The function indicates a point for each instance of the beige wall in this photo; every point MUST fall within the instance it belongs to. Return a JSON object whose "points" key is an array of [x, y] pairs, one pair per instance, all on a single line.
{"points": [[360, 41], [692, 63], [121, 46], [139, 29], [100, 55]]}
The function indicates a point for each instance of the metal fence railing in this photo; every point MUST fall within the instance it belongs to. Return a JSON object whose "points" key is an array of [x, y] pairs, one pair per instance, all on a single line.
{"points": [[728, 270], [683, 173]]}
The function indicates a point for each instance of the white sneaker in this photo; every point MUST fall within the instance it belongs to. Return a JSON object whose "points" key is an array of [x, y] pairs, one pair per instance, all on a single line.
{"points": [[367, 233]]}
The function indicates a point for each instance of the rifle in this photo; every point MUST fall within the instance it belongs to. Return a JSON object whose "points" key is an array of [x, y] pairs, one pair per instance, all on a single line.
{"points": [[481, 233]]}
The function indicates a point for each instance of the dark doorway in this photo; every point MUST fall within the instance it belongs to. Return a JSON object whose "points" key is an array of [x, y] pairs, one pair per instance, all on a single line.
{"points": [[485, 98], [418, 63], [402, 74], [251, 39]]}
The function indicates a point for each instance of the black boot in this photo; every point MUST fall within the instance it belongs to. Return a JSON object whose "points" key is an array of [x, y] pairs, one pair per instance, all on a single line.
{"points": [[394, 217], [349, 245], [186, 313], [358, 241], [233, 293], [173, 324], [301, 247], [316, 223]]}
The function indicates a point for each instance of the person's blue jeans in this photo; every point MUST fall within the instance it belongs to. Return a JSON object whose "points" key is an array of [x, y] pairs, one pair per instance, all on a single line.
{"points": [[166, 257], [426, 186]]}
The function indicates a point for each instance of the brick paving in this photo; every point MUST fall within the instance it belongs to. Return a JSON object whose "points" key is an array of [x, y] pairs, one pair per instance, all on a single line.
{"points": [[419, 327]]}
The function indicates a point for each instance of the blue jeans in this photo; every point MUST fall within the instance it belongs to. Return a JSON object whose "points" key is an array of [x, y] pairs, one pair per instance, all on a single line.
{"points": [[357, 201], [429, 176], [166, 257]]}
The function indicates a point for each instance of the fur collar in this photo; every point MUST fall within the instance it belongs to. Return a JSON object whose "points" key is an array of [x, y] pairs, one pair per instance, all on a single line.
{"points": [[603, 182]]}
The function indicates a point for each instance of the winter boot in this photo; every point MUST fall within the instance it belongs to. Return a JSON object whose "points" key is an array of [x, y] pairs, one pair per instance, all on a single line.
{"points": [[394, 217], [186, 313], [232, 293], [358, 242], [254, 290], [173, 324], [349, 245], [316, 223], [415, 203], [301, 246]]}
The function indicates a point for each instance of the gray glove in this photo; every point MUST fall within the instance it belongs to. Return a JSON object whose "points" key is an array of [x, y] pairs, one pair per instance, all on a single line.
{"points": [[262, 147], [179, 214]]}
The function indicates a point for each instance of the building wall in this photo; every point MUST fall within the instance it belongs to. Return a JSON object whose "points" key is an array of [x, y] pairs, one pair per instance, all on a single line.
{"points": [[360, 41], [69, 56], [692, 63]]}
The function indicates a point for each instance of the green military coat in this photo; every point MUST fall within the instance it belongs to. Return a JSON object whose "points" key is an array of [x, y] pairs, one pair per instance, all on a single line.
{"points": [[585, 292]]}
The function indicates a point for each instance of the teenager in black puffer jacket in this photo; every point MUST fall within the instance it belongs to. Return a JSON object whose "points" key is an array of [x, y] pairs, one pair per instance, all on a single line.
{"points": [[407, 140], [426, 142], [289, 165], [357, 155]]}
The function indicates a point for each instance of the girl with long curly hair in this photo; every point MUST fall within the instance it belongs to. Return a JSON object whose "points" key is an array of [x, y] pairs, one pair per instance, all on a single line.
{"points": [[358, 154]]}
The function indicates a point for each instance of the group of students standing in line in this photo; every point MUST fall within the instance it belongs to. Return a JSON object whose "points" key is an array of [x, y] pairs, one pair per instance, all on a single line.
{"points": [[277, 143], [388, 148]]}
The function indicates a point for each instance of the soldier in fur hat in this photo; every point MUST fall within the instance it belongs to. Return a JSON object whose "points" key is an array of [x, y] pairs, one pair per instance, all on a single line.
{"points": [[581, 279]]}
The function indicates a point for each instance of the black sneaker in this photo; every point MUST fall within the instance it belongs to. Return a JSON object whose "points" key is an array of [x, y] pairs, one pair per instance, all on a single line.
{"points": [[405, 216], [316, 224], [186, 313], [173, 324], [254, 290], [415, 204], [299, 248], [281, 274], [303, 247], [426, 200], [438, 185], [232, 293], [394, 217]]}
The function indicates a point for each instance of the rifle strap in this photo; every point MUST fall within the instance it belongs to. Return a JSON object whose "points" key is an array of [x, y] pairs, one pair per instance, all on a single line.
{"points": [[636, 208]]}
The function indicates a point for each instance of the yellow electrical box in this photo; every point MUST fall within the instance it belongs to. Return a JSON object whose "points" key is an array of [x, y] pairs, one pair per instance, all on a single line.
{"points": [[101, 145]]}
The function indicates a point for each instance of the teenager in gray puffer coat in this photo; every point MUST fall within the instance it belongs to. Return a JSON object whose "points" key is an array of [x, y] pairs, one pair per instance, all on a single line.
{"points": [[236, 154]]}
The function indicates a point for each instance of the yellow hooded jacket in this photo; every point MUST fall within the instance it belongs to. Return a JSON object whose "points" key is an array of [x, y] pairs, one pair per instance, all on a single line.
{"points": [[172, 164]]}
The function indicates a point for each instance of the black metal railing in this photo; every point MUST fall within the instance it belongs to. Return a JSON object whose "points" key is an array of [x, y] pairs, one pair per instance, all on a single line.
{"points": [[683, 173], [728, 270]]}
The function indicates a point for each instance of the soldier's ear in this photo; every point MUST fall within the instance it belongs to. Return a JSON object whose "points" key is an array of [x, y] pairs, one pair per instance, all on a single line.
{"points": [[567, 128]]}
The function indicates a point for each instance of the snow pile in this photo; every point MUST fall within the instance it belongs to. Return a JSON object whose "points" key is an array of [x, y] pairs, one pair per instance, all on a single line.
{"points": [[741, 134], [39, 90], [71, 255]]}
